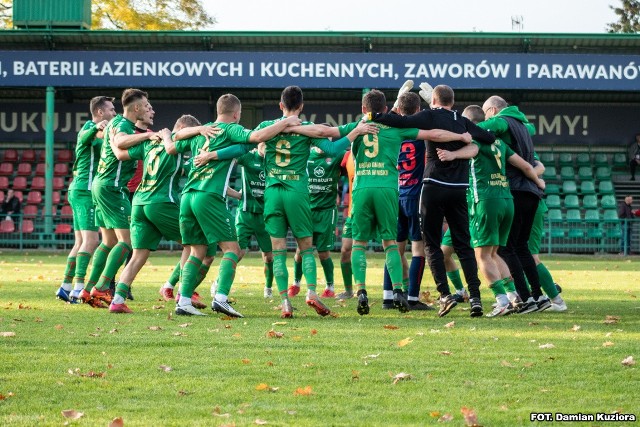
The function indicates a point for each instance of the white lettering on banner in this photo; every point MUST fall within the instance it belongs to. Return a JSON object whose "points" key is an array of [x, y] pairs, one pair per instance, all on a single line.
{"points": [[48, 68], [560, 125], [165, 69], [326, 70], [583, 71], [456, 71], [28, 122]]}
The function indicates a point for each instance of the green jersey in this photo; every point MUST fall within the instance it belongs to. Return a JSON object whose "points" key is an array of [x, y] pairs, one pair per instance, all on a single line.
{"points": [[253, 182], [324, 174], [87, 155], [376, 156], [487, 172], [111, 171], [214, 176], [160, 174]]}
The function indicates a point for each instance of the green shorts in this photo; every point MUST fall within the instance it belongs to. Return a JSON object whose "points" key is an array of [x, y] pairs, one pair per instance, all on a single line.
{"points": [[84, 211], [149, 223], [346, 229], [446, 238], [287, 209], [535, 238], [113, 208], [205, 219], [490, 222], [324, 229], [252, 224], [375, 210]]}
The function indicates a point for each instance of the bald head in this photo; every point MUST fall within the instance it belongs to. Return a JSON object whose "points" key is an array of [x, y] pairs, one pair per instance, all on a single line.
{"points": [[493, 106]]}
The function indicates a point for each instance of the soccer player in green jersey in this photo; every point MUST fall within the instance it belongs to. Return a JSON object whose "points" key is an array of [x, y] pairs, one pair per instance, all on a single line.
{"points": [[375, 191], [111, 195], [491, 207], [204, 217], [88, 147], [324, 173]]}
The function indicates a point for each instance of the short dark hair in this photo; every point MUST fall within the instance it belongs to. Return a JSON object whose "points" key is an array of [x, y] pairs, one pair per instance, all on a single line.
{"points": [[129, 96], [408, 103], [228, 104], [444, 95], [98, 102], [291, 98], [474, 113], [374, 101], [187, 121]]}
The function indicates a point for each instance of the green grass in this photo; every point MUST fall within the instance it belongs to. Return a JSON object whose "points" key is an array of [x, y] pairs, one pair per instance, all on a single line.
{"points": [[495, 366]]}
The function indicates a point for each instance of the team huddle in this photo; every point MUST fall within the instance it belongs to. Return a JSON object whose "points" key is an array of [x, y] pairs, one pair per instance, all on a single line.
{"points": [[409, 170]]}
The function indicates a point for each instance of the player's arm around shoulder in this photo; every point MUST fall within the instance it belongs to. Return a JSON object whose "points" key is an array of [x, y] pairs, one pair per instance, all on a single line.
{"points": [[469, 151], [526, 169], [269, 132]]}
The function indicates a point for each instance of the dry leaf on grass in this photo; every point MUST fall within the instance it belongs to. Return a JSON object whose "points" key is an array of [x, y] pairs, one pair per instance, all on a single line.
{"points": [[446, 353], [314, 332], [355, 375], [611, 320], [548, 345], [445, 418], [157, 307], [260, 422], [470, 417], [404, 342], [185, 325], [628, 361], [217, 412], [7, 334], [154, 328], [279, 323], [575, 328], [391, 327], [371, 356], [266, 387], [435, 414], [506, 364], [275, 334], [607, 344], [179, 334], [72, 414], [401, 377], [117, 422], [245, 361], [165, 368], [450, 324], [303, 391], [58, 327]]}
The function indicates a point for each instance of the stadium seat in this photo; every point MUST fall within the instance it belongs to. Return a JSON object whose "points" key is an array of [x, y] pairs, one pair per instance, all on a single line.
{"points": [[66, 211], [571, 202], [55, 197], [565, 159], [555, 215], [573, 215], [567, 172], [595, 232], [583, 159], [63, 229], [606, 187], [614, 232], [7, 226], [19, 195], [1, 196], [603, 173], [20, 183], [576, 233], [61, 169], [4, 182], [58, 183], [610, 215], [34, 197], [620, 159], [547, 159], [592, 215], [38, 183], [6, 169], [608, 202], [24, 169], [587, 187], [569, 187], [27, 226], [30, 211], [10, 155], [585, 173], [64, 156], [40, 169], [553, 201], [550, 173], [552, 189], [590, 201], [601, 159], [28, 156]]}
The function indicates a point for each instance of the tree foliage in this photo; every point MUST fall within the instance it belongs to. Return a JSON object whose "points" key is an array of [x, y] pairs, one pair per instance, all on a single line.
{"points": [[6, 11], [628, 17]]}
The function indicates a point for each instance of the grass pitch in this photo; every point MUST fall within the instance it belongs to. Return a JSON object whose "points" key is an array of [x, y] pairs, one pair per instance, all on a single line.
{"points": [[386, 369]]}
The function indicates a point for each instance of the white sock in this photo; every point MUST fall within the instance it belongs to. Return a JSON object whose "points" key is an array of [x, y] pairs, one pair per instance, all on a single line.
{"points": [[330, 286], [502, 300], [221, 297], [460, 292], [513, 296], [167, 285], [66, 286], [311, 293], [557, 300], [78, 287], [412, 298], [296, 283], [184, 301], [387, 294], [117, 299]]}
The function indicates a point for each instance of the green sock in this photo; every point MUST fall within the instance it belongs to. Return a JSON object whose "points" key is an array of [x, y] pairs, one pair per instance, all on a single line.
{"points": [[202, 273], [327, 267], [359, 265], [497, 288], [82, 262], [70, 270], [122, 290], [280, 273], [175, 275], [405, 284], [394, 265], [190, 273], [297, 270], [347, 275], [309, 269], [546, 281], [508, 284], [117, 257], [227, 272], [97, 265], [268, 274], [454, 277]]}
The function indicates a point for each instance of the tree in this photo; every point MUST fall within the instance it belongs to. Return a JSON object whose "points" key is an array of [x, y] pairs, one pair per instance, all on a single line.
{"points": [[6, 10], [628, 17]]}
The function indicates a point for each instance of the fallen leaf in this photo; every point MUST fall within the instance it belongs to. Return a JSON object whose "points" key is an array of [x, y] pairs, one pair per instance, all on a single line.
{"points": [[303, 391], [183, 392], [116, 422], [179, 334], [445, 418], [314, 332], [279, 323], [548, 345], [401, 377], [446, 353], [7, 334], [246, 361], [72, 414], [628, 361], [155, 328], [450, 324], [355, 375], [607, 344], [405, 342], [291, 412], [260, 422], [37, 320], [610, 320], [157, 307], [391, 327], [575, 328], [533, 323], [165, 368], [58, 327], [94, 335], [470, 417], [170, 315], [506, 364], [274, 334], [266, 387], [113, 331], [371, 356], [435, 414]]}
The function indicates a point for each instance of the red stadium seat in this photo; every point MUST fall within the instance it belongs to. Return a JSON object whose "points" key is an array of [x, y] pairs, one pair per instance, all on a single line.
{"points": [[6, 169], [28, 156], [55, 198], [20, 183], [10, 155], [34, 197], [61, 169], [24, 169], [40, 169], [63, 229], [1, 196], [30, 211], [27, 226], [7, 226], [66, 211], [40, 155], [19, 195], [38, 183], [64, 156], [58, 183], [4, 182]]}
